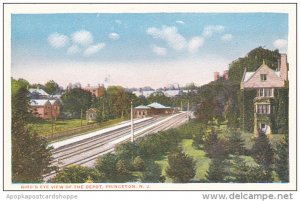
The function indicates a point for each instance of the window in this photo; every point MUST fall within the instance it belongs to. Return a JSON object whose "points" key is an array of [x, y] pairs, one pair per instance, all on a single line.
{"points": [[263, 77], [263, 109], [265, 92]]}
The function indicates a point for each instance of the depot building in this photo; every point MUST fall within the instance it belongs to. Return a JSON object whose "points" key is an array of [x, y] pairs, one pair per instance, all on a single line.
{"points": [[152, 110]]}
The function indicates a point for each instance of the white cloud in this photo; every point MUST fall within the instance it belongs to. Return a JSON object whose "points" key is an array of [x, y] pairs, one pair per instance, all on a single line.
{"points": [[180, 22], [82, 37], [211, 29], [93, 49], [169, 34], [114, 36], [57, 40], [195, 43], [74, 49], [159, 50], [227, 37], [280, 43]]}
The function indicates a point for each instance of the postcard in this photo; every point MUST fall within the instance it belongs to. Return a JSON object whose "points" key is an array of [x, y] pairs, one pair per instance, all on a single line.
{"points": [[146, 97]]}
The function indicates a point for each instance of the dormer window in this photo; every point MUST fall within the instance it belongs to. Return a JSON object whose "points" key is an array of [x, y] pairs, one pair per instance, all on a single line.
{"points": [[263, 77]]}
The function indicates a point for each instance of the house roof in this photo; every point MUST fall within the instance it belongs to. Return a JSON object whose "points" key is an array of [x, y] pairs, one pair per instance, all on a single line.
{"points": [[38, 91], [92, 110], [157, 106], [38, 102], [142, 107], [252, 80], [53, 101]]}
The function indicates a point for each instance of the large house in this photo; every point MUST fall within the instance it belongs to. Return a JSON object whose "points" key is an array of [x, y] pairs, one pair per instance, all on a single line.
{"points": [[43, 105], [151, 110], [265, 81]]}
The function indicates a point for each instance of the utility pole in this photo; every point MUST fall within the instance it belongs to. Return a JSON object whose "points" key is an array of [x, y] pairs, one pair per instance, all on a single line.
{"points": [[181, 105], [132, 133], [81, 117]]}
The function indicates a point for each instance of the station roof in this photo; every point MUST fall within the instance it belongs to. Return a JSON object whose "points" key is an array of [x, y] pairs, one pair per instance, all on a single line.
{"points": [[142, 107], [157, 106]]}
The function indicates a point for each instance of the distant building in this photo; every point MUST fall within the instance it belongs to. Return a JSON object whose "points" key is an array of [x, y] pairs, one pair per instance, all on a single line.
{"points": [[97, 91], [265, 81], [37, 93], [217, 75], [92, 114], [225, 75], [151, 110], [41, 108]]}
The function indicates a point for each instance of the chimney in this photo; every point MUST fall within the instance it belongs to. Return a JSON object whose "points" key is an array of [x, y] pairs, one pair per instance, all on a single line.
{"points": [[216, 76], [225, 75], [283, 67]]}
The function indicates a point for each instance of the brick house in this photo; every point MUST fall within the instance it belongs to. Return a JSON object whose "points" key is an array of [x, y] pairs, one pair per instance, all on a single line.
{"points": [[97, 91], [266, 82], [151, 110], [45, 109]]}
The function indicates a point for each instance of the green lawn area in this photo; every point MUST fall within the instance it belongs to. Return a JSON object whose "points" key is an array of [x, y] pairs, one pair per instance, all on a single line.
{"points": [[202, 162], [44, 128]]}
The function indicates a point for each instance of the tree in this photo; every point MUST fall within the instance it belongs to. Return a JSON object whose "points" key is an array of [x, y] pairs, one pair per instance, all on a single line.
{"points": [[52, 87], [181, 167], [31, 154], [123, 175], [243, 170], [139, 164], [198, 138], [263, 152], [152, 174], [215, 147], [78, 174], [282, 160], [76, 100], [107, 165], [235, 142], [216, 171]]}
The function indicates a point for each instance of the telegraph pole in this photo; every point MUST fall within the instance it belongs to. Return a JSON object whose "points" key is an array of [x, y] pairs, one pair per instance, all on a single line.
{"points": [[81, 118], [132, 133]]}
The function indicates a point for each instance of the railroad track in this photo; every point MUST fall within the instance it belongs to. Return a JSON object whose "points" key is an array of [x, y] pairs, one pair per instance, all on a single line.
{"points": [[85, 149]]}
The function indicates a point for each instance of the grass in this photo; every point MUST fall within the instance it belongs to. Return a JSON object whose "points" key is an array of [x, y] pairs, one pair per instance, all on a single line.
{"points": [[70, 127], [45, 127], [202, 162], [199, 156]]}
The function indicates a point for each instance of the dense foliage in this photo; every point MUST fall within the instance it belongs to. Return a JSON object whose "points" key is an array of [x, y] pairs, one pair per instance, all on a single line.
{"points": [[30, 153]]}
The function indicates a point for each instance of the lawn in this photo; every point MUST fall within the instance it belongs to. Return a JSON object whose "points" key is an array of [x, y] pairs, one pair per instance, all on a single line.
{"points": [[202, 162], [70, 127]]}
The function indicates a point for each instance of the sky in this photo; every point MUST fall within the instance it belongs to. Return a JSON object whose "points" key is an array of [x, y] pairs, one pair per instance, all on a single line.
{"points": [[136, 50]]}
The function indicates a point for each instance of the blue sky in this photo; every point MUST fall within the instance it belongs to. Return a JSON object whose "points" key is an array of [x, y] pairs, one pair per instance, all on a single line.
{"points": [[153, 49]]}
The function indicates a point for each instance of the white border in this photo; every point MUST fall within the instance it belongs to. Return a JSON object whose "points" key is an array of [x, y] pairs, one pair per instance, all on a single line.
{"points": [[167, 8]]}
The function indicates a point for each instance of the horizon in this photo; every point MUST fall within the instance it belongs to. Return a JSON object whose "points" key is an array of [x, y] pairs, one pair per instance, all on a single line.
{"points": [[151, 49]]}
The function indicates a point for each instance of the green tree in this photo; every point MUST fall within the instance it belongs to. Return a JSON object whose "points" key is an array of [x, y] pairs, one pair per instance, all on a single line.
{"points": [[282, 159], [235, 143], [215, 147], [76, 100], [181, 167], [31, 154], [152, 174], [139, 164], [123, 175], [198, 138], [52, 87], [78, 174], [243, 170], [262, 151], [106, 164], [216, 171]]}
